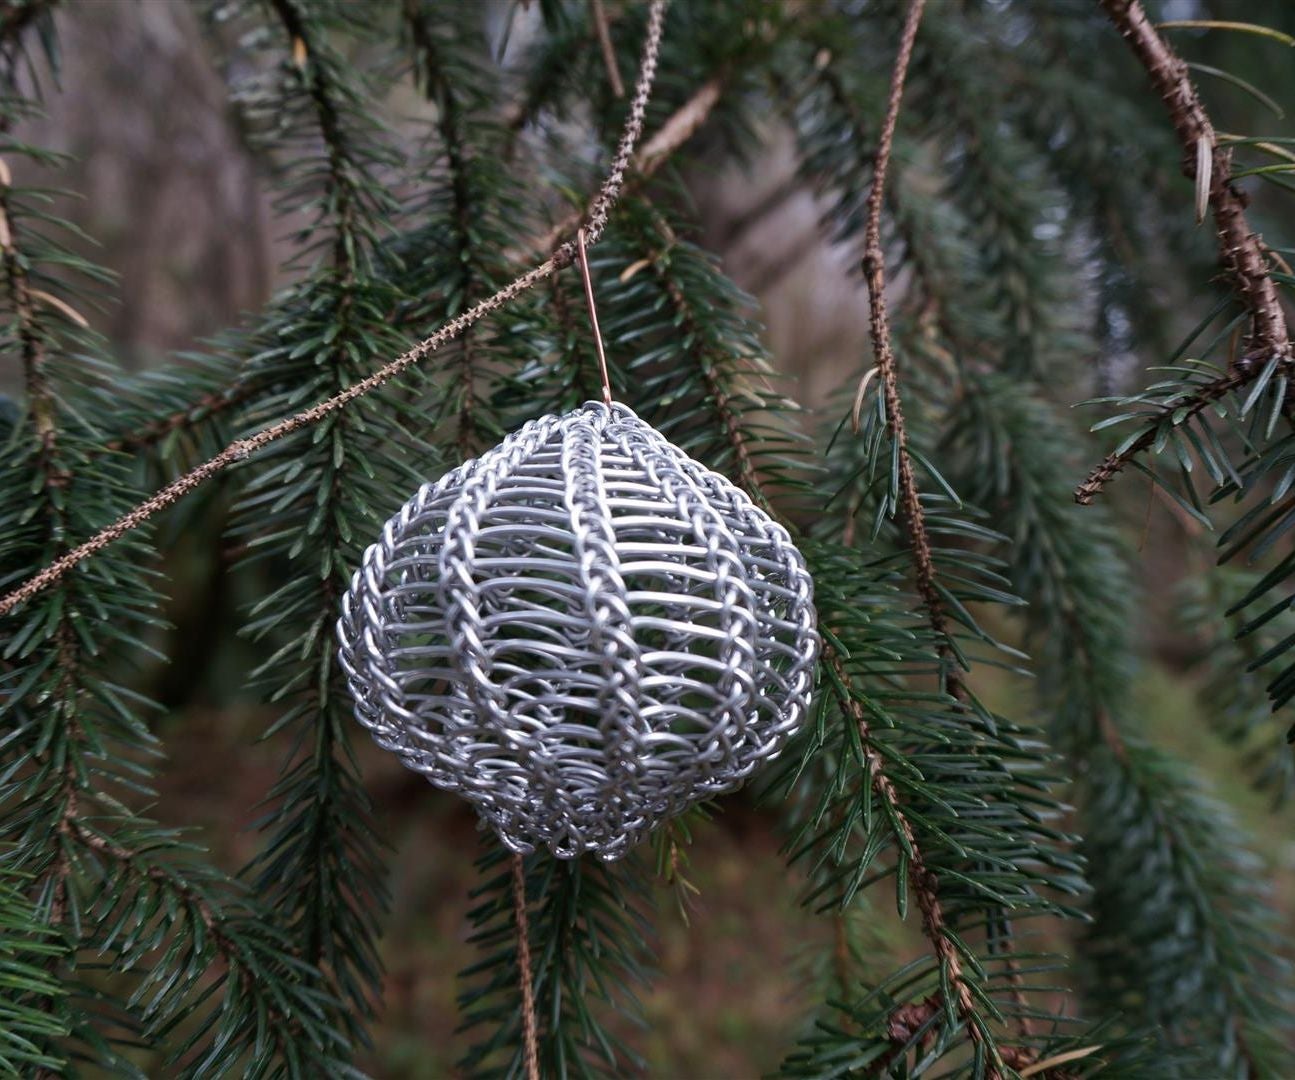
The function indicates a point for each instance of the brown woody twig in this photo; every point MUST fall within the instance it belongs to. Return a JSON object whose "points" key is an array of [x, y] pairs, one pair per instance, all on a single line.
{"points": [[207, 405], [1103, 473], [921, 878], [521, 929], [1241, 251], [598, 15], [874, 269], [924, 882]]}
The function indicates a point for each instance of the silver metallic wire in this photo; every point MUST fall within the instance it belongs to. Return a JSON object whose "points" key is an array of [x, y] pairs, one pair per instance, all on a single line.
{"points": [[583, 632]]}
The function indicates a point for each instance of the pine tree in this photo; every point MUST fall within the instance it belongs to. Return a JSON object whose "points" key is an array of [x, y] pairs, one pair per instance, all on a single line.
{"points": [[1005, 179]]}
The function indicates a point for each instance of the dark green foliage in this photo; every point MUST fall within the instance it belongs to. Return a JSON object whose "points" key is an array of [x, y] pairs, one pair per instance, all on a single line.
{"points": [[904, 783], [1038, 237], [1159, 849], [590, 940], [465, 217], [1234, 693], [1182, 926], [29, 1008], [102, 887], [308, 505]]}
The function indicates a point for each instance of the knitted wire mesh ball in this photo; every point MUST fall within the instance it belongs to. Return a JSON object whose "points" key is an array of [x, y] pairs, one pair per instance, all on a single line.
{"points": [[583, 632]]}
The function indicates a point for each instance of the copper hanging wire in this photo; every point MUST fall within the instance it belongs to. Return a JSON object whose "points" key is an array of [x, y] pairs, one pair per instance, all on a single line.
{"points": [[593, 316]]}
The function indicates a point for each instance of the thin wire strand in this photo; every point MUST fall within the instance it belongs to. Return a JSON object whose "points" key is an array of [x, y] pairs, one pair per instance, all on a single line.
{"points": [[238, 450], [530, 1033], [593, 316]]}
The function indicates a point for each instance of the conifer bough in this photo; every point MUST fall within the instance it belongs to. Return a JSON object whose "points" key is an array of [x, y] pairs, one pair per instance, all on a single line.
{"points": [[1022, 141], [563, 256], [1240, 249]]}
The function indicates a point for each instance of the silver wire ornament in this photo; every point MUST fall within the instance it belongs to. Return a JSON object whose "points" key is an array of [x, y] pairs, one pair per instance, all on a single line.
{"points": [[583, 632]]}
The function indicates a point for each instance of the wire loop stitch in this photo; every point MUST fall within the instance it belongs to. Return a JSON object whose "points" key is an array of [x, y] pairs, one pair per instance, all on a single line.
{"points": [[582, 632]]}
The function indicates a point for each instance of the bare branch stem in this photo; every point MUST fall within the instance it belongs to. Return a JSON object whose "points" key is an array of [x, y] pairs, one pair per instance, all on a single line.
{"points": [[923, 880], [521, 926], [1240, 250], [598, 15], [874, 269]]}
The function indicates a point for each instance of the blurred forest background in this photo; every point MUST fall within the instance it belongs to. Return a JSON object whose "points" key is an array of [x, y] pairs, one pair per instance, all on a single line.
{"points": [[180, 208]]}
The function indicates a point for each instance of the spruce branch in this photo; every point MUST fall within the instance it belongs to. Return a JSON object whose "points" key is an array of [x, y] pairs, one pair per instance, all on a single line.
{"points": [[1001, 191], [974, 807], [319, 870], [874, 269], [1234, 693], [241, 449], [463, 212], [30, 335], [137, 862], [677, 130], [923, 881], [340, 199], [199, 410], [30, 994], [17, 17], [1241, 251], [1175, 412], [267, 999], [75, 742], [914, 515], [54, 477], [1152, 856], [825, 156]]}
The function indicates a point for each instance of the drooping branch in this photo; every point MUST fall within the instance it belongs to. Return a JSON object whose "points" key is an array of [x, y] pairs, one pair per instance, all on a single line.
{"points": [[240, 449], [922, 880], [340, 186], [1186, 408], [1241, 251], [31, 337], [53, 477], [874, 269], [438, 87], [239, 955]]}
